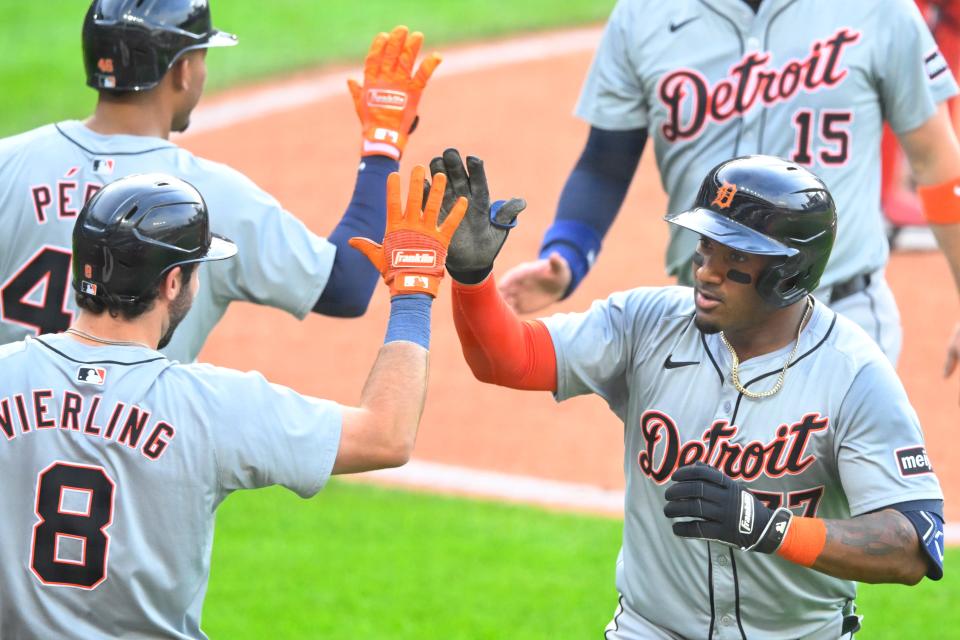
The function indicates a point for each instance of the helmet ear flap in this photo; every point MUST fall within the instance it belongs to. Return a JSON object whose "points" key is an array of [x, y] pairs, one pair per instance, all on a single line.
{"points": [[780, 283]]}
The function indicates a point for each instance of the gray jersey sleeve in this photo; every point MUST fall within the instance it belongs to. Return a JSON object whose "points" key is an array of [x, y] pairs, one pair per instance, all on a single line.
{"points": [[267, 434], [881, 455], [912, 75], [612, 95], [280, 262], [598, 350]]}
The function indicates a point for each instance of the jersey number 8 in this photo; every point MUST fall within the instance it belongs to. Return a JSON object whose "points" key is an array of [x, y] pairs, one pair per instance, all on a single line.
{"points": [[70, 541]]}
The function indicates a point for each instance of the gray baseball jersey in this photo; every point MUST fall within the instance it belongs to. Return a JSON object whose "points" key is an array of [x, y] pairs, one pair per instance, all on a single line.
{"points": [[839, 440], [807, 80], [47, 174], [114, 460]]}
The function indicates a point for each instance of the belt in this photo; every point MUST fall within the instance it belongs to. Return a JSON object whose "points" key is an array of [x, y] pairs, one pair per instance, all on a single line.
{"points": [[847, 288]]}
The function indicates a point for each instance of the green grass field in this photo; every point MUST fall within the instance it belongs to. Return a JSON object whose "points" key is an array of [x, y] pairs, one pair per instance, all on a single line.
{"points": [[41, 67], [363, 562]]}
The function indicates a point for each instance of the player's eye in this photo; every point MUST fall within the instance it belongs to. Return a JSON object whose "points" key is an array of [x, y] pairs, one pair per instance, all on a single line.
{"points": [[704, 244]]}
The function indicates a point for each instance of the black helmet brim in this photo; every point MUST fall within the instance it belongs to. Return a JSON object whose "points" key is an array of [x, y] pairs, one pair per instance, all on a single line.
{"points": [[221, 39], [722, 229], [220, 249]]}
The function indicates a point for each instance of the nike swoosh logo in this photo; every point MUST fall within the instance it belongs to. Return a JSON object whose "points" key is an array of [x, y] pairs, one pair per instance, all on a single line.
{"points": [[671, 364], [675, 26]]}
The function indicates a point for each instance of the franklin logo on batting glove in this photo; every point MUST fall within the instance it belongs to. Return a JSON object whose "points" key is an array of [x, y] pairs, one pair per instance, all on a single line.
{"points": [[414, 242], [413, 258]]}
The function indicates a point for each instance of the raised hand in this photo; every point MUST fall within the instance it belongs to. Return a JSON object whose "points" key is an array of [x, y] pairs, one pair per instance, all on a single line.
{"points": [[387, 101], [484, 230], [414, 249]]}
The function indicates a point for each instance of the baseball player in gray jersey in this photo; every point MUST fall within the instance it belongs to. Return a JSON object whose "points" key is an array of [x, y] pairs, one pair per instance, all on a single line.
{"points": [[115, 458], [811, 81], [771, 455], [47, 174]]}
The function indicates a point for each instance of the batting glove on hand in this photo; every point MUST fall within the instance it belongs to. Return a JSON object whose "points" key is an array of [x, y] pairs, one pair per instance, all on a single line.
{"points": [[414, 247], [726, 511], [478, 240], [387, 101]]}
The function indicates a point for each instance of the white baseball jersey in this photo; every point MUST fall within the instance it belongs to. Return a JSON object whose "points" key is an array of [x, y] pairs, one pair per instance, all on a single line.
{"points": [[47, 174], [114, 461], [807, 80], [839, 440]]}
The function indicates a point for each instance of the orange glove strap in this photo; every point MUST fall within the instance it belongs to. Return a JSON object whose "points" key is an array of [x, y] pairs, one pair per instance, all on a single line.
{"points": [[414, 262], [804, 541], [941, 202], [499, 348]]}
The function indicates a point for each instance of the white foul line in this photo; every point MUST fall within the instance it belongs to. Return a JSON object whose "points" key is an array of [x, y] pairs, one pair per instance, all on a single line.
{"points": [[298, 93], [421, 474], [435, 476]]}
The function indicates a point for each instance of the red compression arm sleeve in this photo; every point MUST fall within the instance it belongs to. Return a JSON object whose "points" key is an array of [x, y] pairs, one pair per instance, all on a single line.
{"points": [[499, 348]]}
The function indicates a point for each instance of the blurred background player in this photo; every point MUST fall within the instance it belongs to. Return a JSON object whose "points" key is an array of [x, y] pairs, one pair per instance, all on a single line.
{"points": [[899, 198], [111, 481], [811, 81], [146, 60], [801, 466]]}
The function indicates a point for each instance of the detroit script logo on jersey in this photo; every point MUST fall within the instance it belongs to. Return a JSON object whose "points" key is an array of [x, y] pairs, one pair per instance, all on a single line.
{"points": [[687, 91], [784, 454]]}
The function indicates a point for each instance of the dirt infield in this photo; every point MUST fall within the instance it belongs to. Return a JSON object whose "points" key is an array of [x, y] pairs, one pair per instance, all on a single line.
{"points": [[518, 119]]}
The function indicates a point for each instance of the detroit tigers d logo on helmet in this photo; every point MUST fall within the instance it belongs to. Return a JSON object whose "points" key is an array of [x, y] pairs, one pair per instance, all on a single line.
{"points": [[135, 230], [128, 45], [768, 206]]}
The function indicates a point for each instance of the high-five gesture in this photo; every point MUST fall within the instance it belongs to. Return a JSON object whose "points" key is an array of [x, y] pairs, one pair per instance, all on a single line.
{"points": [[387, 101], [414, 248]]}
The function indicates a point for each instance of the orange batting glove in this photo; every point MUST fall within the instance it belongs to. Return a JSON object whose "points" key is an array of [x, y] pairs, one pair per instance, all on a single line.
{"points": [[387, 101], [414, 249]]}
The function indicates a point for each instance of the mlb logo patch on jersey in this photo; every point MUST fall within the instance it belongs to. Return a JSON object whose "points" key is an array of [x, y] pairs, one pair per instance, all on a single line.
{"points": [[91, 375], [913, 461], [103, 166], [88, 288]]}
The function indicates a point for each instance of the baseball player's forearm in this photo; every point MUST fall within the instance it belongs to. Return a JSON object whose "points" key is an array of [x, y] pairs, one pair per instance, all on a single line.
{"points": [[592, 197], [948, 237], [352, 278], [381, 432], [879, 547], [934, 155], [498, 347]]}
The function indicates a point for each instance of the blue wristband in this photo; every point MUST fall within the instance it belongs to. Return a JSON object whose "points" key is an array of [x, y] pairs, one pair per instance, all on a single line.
{"points": [[579, 245], [410, 319]]}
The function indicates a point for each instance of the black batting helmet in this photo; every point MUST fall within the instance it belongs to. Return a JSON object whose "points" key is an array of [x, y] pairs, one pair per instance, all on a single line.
{"points": [[128, 45], [768, 206], [134, 230]]}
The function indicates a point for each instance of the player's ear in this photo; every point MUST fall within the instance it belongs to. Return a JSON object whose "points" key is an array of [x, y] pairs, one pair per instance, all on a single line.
{"points": [[179, 73], [171, 284]]}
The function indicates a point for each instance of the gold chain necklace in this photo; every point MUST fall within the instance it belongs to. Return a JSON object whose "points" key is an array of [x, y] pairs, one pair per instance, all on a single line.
{"points": [[735, 365], [93, 338]]}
